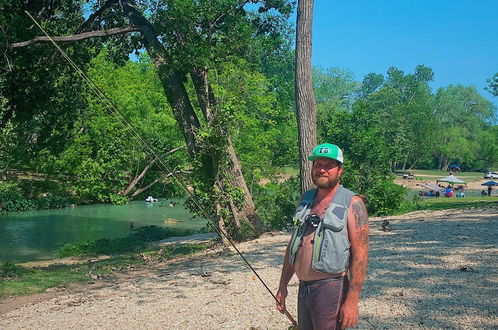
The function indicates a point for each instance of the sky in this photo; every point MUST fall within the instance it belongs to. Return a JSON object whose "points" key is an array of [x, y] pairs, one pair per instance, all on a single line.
{"points": [[458, 39]]}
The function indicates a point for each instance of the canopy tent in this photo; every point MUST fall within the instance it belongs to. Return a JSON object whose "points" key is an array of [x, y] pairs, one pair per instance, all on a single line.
{"points": [[451, 179], [430, 186], [490, 183]]}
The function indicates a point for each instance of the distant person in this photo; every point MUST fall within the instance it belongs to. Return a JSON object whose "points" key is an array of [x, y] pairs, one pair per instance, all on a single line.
{"points": [[437, 194], [448, 191], [483, 193], [489, 190], [332, 221], [462, 193]]}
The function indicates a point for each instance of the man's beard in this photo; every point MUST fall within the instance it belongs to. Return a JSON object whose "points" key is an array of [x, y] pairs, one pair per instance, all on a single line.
{"points": [[324, 184]]}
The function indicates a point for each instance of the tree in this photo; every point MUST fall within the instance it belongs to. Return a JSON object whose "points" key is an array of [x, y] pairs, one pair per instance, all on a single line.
{"points": [[462, 113], [493, 85], [305, 101], [179, 50], [42, 103]]}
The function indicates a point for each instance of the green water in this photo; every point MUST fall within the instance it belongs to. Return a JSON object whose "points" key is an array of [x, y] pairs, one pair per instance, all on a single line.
{"points": [[29, 236]]}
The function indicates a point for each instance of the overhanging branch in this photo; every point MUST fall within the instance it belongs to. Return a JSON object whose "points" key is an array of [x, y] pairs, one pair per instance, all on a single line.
{"points": [[76, 37], [95, 15]]}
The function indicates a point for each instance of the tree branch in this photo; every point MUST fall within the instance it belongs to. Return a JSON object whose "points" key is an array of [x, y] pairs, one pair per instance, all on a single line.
{"points": [[93, 16], [162, 177], [76, 37]]}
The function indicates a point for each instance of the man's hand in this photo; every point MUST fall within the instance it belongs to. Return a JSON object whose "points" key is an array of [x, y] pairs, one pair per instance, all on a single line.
{"points": [[281, 295], [348, 315]]}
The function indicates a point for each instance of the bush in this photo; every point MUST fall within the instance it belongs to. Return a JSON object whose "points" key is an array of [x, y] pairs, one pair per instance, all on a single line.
{"points": [[385, 197], [118, 199], [51, 202], [276, 202], [9, 270], [12, 198], [133, 242]]}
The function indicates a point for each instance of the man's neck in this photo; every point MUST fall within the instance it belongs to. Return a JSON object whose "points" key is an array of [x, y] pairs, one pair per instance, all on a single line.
{"points": [[323, 193]]}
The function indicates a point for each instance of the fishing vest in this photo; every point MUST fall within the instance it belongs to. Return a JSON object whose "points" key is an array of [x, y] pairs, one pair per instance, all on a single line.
{"points": [[331, 247]]}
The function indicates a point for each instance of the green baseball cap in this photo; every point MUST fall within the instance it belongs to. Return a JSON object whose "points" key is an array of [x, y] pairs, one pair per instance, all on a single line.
{"points": [[327, 150]]}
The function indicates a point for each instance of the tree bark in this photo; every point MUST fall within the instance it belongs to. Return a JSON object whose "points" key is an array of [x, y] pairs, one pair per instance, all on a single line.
{"points": [[76, 37], [305, 100], [247, 213], [185, 115], [162, 177], [171, 80], [134, 182]]}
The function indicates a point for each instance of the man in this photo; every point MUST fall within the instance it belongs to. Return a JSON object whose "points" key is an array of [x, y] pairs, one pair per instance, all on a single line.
{"points": [[330, 240]]}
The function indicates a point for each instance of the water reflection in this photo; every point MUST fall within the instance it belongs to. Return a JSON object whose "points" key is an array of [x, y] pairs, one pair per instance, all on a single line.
{"points": [[36, 235]]}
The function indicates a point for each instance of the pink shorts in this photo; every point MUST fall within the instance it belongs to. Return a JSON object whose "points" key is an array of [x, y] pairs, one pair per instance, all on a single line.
{"points": [[319, 303]]}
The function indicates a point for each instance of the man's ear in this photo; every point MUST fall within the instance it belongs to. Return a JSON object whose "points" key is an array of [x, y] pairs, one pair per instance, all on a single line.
{"points": [[340, 170]]}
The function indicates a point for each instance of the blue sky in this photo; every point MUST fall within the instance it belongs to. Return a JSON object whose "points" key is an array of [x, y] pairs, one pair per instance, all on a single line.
{"points": [[458, 39]]}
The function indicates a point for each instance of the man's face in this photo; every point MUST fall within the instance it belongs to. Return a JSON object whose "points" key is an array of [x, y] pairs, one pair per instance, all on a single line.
{"points": [[325, 172]]}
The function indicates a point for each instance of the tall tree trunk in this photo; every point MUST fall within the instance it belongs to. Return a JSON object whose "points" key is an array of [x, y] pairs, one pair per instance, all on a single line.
{"points": [[171, 80], [174, 87], [305, 100], [246, 212]]}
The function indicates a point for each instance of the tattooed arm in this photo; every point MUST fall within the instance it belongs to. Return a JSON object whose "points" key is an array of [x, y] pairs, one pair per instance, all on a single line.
{"points": [[358, 237]]}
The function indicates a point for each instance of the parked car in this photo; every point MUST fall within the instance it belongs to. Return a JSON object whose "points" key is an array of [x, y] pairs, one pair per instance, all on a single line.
{"points": [[404, 175], [491, 175], [408, 176]]}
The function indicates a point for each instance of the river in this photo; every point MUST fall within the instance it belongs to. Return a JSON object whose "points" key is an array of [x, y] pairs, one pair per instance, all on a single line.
{"points": [[36, 235]]}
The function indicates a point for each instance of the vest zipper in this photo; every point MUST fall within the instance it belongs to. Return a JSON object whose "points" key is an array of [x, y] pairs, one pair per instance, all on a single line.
{"points": [[317, 245]]}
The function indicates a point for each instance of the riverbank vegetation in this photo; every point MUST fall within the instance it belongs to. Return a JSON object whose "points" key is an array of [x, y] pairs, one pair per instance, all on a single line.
{"points": [[138, 240], [206, 95], [19, 279]]}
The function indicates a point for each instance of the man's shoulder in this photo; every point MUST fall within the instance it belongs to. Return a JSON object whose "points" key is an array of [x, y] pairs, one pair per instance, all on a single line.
{"points": [[308, 195], [344, 196]]}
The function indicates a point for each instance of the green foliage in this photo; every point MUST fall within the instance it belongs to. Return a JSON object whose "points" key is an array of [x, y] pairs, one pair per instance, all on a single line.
{"points": [[50, 122], [276, 202], [464, 114], [102, 158], [52, 202], [9, 271], [42, 103], [383, 197], [12, 198], [255, 118], [493, 85], [139, 239]]}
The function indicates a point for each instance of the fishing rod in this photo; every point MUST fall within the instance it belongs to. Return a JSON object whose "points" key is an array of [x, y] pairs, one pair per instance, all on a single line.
{"points": [[136, 135]]}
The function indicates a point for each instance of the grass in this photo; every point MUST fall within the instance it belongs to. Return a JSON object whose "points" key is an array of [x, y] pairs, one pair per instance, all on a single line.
{"points": [[458, 203], [443, 203], [16, 280], [434, 174]]}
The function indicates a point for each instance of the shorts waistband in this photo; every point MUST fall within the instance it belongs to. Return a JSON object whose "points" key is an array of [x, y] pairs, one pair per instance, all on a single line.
{"points": [[323, 280]]}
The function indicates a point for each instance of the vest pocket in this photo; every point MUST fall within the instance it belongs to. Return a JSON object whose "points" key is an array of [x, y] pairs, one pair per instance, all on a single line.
{"points": [[334, 219], [333, 252]]}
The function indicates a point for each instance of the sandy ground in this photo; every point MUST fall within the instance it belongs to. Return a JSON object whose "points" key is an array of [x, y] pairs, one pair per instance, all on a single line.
{"points": [[415, 184], [433, 270]]}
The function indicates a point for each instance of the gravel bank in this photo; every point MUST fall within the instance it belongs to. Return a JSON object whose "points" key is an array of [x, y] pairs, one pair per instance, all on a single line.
{"points": [[433, 270]]}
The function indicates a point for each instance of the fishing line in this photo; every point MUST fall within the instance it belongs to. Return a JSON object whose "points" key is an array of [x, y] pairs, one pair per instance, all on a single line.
{"points": [[136, 135]]}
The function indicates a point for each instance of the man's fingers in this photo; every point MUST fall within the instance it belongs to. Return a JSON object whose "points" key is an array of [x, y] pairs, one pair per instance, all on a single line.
{"points": [[281, 305], [346, 322]]}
